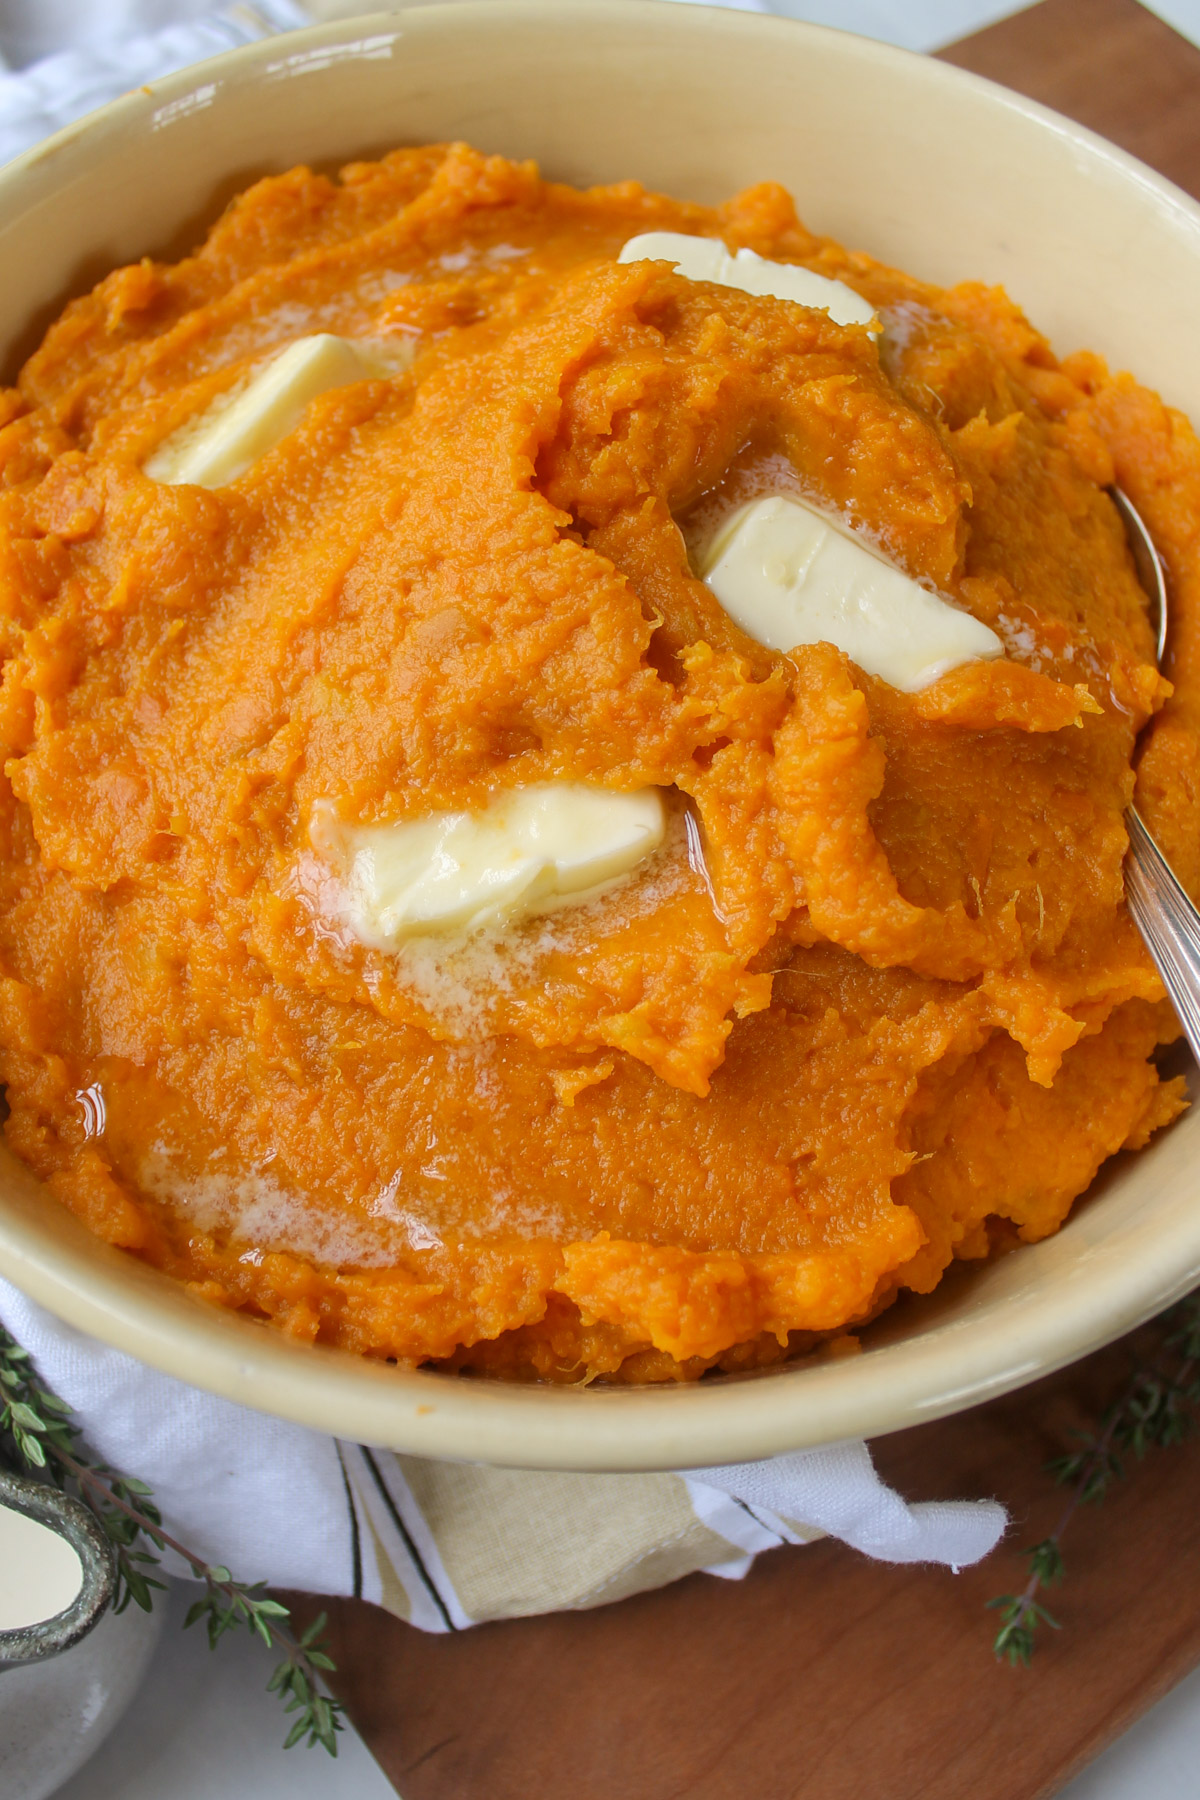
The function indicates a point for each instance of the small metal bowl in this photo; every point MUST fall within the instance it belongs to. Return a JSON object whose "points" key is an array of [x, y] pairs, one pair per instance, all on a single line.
{"points": [[71, 1520], [66, 1681]]}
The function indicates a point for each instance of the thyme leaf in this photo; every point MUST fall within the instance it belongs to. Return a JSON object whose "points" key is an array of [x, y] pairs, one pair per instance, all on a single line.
{"points": [[38, 1434], [1156, 1409]]}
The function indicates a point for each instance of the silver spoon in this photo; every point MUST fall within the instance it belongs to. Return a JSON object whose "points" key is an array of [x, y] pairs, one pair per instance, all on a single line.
{"points": [[1157, 903]]}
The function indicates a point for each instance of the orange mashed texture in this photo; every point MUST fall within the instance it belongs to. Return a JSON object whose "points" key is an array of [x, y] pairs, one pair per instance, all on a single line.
{"points": [[877, 1003]]}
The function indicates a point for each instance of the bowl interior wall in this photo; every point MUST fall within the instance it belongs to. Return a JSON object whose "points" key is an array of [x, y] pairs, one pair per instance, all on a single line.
{"points": [[939, 172]]}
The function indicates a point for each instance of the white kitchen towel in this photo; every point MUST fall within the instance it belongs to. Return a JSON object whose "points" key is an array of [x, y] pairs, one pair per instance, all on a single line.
{"points": [[447, 1545]]}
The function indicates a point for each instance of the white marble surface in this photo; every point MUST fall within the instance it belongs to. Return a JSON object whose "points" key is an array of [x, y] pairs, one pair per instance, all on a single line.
{"points": [[1157, 1759], [203, 1727], [928, 24], [1184, 15]]}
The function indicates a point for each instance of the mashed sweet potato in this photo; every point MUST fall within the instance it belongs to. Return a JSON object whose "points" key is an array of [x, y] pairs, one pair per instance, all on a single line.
{"points": [[874, 1005]]}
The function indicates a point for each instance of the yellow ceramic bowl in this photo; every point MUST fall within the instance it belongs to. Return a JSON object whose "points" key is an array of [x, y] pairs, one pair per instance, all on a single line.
{"points": [[934, 170]]}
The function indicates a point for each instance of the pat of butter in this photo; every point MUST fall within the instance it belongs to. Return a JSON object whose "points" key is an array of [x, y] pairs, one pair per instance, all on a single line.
{"points": [[707, 259], [789, 575], [531, 850], [221, 442]]}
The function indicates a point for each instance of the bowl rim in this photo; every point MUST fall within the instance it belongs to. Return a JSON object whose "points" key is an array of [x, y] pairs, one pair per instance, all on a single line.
{"points": [[137, 1310]]}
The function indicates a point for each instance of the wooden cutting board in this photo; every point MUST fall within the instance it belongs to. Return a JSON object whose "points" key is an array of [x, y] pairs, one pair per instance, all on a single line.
{"points": [[824, 1676]]}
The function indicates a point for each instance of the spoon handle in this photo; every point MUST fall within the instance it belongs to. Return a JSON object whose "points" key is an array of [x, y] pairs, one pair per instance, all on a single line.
{"points": [[1168, 922]]}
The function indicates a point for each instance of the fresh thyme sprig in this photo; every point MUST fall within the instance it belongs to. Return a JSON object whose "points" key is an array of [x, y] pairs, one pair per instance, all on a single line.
{"points": [[1156, 1408], [38, 1434]]}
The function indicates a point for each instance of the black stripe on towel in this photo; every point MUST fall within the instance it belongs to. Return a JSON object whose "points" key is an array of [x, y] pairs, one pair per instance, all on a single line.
{"points": [[355, 1538], [747, 1508], [402, 1528]]}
